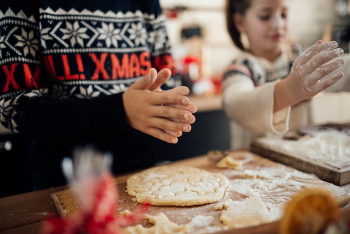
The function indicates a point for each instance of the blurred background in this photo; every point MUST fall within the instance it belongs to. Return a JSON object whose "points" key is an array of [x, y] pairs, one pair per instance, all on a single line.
{"points": [[202, 50], [197, 28]]}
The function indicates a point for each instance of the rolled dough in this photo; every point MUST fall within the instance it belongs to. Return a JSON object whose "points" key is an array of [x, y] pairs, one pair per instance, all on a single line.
{"points": [[177, 186], [249, 212]]}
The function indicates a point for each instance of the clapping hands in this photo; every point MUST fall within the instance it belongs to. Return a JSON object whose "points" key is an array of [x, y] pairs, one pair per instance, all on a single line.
{"points": [[161, 114]]}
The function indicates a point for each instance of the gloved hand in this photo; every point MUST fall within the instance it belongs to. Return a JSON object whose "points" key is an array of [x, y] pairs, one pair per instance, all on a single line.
{"points": [[305, 79]]}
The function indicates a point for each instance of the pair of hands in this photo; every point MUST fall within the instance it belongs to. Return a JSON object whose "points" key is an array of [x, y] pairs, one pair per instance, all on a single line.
{"points": [[161, 114], [305, 79]]}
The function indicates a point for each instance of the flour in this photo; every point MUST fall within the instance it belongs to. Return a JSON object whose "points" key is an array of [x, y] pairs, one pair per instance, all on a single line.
{"points": [[331, 147], [202, 221], [249, 212], [205, 224], [266, 190], [274, 186]]}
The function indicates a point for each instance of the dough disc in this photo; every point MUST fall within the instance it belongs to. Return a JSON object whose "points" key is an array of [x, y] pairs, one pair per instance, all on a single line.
{"points": [[177, 186]]}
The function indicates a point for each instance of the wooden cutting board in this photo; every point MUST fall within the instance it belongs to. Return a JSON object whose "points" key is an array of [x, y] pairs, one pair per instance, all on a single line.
{"points": [[295, 149], [336, 175], [204, 218]]}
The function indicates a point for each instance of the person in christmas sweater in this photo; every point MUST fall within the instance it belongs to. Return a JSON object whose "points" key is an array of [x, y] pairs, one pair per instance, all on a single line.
{"points": [[267, 86], [85, 72]]}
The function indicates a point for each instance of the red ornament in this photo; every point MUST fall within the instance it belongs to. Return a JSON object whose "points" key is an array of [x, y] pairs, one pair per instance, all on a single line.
{"points": [[101, 220]]}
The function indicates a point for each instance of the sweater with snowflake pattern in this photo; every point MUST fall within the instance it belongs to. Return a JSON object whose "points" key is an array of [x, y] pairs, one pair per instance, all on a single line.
{"points": [[64, 64]]}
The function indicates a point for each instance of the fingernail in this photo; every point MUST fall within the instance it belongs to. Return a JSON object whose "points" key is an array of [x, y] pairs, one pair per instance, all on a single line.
{"points": [[193, 120], [184, 101], [174, 140], [339, 51], [340, 74], [186, 116], [334, 44], [341, 62], [186, 128]]}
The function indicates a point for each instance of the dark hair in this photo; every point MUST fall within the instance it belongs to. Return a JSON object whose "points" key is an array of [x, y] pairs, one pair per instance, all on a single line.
{"points": [[232, 7]]}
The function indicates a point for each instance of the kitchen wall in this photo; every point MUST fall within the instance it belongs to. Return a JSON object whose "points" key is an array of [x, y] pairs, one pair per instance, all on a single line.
{"points": [[308, 20]]}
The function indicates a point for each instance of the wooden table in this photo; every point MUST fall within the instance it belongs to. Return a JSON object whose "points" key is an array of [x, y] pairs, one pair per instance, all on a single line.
{"points": [[24, 213]]}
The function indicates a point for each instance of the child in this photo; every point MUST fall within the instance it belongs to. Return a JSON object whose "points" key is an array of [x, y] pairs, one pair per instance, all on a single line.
{"points": [[81, 72], [267, 86]]}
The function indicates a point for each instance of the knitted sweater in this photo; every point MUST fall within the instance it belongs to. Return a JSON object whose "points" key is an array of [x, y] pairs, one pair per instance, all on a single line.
{"points": [[65, 63], [248, 96]]}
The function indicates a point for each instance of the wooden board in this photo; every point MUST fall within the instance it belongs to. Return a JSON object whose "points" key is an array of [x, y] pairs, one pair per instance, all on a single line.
{"points": [[332, 174], [67, 205]]}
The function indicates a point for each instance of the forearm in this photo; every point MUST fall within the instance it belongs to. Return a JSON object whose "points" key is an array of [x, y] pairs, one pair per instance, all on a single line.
{"points": [[253, 107], [283, 96]]}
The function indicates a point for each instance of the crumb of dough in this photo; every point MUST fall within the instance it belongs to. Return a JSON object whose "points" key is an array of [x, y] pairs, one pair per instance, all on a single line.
{"points": [[224, 205], [235, 160], [126, 213], [230, 163], [162, 225], [249, 212]]}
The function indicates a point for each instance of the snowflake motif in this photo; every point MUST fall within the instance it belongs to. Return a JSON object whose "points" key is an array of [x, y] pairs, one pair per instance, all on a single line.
{"points": [[45, 36], [74, 33], [109, 34], [117, 89], [5, 108], [2, 44], [138, 33], [160, 39], [36, 93], [28, 41], [151, 37], [87, 93]]}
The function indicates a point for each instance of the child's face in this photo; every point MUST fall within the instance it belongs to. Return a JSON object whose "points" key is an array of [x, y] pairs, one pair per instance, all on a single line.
{"points": [[265, 24]]}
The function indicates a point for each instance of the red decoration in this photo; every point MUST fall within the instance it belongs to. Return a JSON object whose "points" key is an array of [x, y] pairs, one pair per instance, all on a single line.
{"points": [[101, 220]]}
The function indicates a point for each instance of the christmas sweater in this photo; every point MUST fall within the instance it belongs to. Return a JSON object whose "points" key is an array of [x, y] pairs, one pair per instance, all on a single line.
{"points": [[64, 64]]}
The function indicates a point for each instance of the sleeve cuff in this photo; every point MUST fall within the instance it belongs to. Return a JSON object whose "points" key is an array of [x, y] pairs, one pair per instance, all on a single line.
{"points": [[280, 121], [108, 113]]}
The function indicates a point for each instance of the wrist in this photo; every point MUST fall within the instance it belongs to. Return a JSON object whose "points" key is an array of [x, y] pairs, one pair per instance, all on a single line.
{"points": [[284, 95]]}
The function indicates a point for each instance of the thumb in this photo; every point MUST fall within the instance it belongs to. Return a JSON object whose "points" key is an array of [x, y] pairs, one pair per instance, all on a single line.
{"points": [[146, 81]]}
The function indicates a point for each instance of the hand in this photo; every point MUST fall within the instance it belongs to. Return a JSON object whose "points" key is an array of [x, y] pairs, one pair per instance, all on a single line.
{"points": [[162, 77], [309, 68], [147, 111]]}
